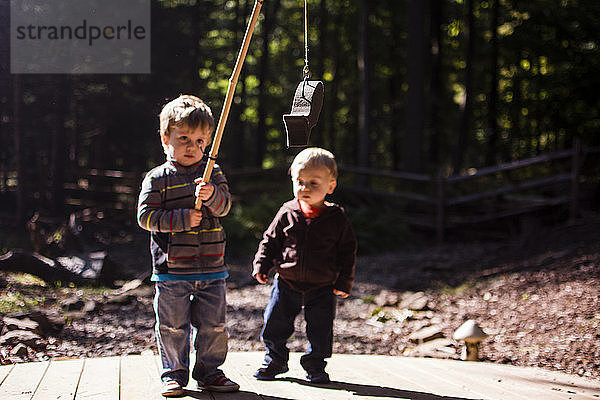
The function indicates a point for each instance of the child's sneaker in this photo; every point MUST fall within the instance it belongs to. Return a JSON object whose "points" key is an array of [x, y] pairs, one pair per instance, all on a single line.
{"points": [[221, 384], [268, 373], [318, 377], [171, 388]]}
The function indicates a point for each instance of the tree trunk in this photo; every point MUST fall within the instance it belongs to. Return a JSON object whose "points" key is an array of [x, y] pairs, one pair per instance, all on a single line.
{"points": [[437, 87], [5, 88], [493, 100], [261, 130], [320, 53], [334, 87], [237, 139], [364, 101], [515, 131], [197, 17], [19, 150], [396, 93], [59, 152], [414, 109], [396, 142], [465, 121]]}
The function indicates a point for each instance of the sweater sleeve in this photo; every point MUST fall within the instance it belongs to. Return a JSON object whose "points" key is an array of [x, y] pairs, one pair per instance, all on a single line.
{"points": [[219, 203], [346, 258], [152, 217], [270, 247]]}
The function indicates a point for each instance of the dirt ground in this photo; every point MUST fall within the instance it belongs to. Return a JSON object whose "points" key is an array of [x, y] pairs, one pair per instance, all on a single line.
{"points": [[537, 298]]}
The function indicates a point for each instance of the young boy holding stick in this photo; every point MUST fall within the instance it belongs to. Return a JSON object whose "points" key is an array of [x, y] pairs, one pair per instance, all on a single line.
{"points": [[187, 247]]}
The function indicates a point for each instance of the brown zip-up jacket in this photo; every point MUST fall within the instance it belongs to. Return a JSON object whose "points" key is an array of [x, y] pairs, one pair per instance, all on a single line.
{"points": [[309, 253]]}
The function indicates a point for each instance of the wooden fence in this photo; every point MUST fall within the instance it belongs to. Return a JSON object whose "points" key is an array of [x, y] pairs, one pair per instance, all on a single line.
{"points": [[110, 189], [486, 194], [433, 202]]}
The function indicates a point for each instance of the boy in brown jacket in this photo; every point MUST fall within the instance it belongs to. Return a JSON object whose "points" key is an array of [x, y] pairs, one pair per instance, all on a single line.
{"points": [[312, 247]]}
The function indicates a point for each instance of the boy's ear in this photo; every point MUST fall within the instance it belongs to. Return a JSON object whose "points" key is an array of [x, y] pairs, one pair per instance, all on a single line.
{"points": [[332, 186], [164, 139]]}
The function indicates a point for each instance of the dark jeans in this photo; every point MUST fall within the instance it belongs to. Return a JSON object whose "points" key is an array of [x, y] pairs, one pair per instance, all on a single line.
{"points": [[284, 305]]}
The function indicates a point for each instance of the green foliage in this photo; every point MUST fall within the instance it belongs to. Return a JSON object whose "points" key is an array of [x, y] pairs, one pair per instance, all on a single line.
{"points": [[380, 315], [370, 299], [23, 292], [14, 302], [247, 221], [10, 239], [547, 63], [455, 290], [378, 230], [28, 280], [547, 83]]}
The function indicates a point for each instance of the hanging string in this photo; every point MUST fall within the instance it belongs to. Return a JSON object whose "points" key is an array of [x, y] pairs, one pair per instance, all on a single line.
{"points": [[306, 71]]}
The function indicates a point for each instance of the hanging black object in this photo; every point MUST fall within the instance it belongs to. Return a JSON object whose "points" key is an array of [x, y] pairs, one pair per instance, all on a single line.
{"points": [[307, 103], [306, 107]]}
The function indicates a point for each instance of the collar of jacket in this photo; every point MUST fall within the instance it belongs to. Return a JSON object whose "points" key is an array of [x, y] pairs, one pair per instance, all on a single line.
{"points": [[330, 208], [190, 169]]}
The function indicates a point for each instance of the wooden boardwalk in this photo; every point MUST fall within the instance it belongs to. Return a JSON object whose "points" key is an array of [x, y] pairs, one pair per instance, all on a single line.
{"points": [[361, 377]]}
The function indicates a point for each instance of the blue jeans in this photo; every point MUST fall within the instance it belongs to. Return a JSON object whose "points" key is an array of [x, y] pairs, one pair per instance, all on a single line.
{"points": [[178, 306], [284, 305]]}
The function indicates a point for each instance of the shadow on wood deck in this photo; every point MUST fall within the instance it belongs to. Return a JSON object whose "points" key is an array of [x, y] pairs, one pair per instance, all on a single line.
{"points": [[353, 377]]}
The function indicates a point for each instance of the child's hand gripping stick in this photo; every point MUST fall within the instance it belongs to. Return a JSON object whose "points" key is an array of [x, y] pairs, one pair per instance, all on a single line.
{"points": [[204, 190]]}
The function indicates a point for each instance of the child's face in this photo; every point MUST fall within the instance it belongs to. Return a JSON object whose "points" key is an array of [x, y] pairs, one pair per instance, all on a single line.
{"points": [[186, 146], [311, 185]]}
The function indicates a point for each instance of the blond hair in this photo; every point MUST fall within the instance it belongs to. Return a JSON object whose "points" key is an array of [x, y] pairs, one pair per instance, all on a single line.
{"points": [[314, 157], [186, 110]]}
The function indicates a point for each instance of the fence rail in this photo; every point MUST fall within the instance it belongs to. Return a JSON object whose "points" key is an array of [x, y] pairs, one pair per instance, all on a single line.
{"points": [[440, 193], [433, 202]]}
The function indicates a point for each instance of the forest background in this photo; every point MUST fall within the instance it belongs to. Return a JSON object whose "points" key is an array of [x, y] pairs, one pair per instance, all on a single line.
{"points": [[438, 87]]}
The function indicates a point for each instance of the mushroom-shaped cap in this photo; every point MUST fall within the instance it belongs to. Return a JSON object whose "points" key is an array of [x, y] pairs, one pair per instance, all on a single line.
{"points": [[470, 332]]}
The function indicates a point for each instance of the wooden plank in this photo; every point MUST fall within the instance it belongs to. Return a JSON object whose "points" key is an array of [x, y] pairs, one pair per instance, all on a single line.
{"points": [[256, 172], [445, 376], [353, 376], [386, 173], [102, 172], [60, 380], [512, 165], [190, 391], [236, 368], [395, 195], [456, 220], [489, 385], [391, 377], [4, 371], [457, 178], [23, 380], [376, 377], [297, 376], [509, 188], [371, 383], [99, 379], [247, 363], [139, 378], [548, 384]]}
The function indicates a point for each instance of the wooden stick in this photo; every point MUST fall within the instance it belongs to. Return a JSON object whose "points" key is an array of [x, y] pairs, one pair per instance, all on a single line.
{"points": [[214, 150]]}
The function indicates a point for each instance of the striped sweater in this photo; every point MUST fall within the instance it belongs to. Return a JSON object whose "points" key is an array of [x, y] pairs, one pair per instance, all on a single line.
{"points": [[180, 252]]}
